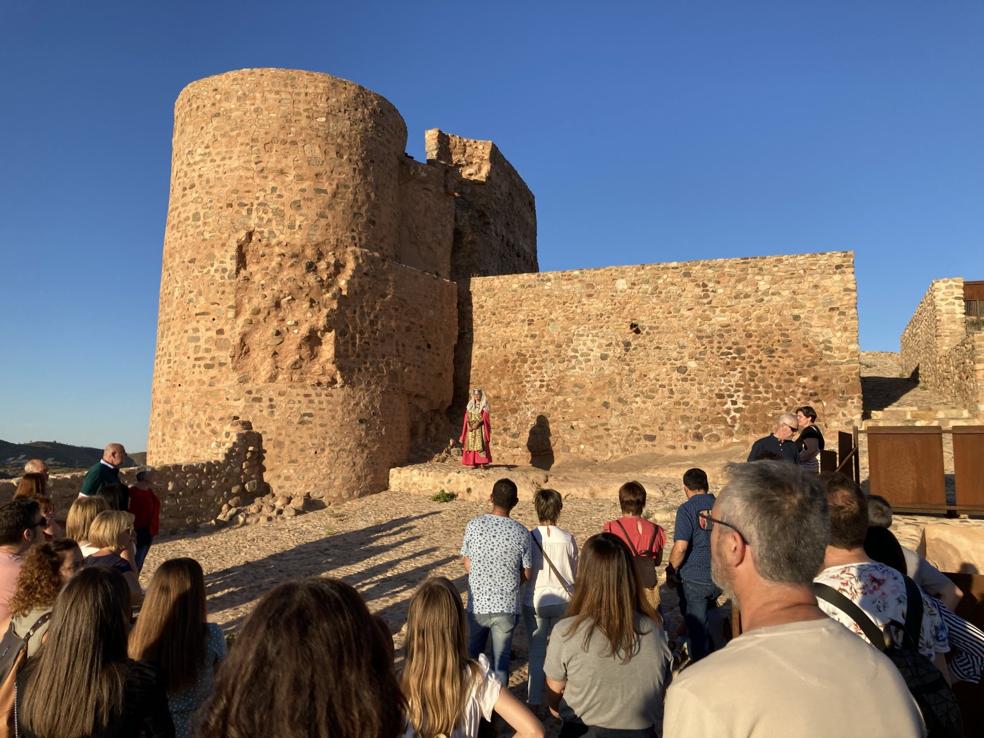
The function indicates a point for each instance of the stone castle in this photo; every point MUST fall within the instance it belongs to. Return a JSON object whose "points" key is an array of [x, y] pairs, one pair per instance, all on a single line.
{"points": [[340, 297]]}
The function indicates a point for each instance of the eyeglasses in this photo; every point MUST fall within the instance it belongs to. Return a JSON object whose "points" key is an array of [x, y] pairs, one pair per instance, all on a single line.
{"points": [[710, 522]]}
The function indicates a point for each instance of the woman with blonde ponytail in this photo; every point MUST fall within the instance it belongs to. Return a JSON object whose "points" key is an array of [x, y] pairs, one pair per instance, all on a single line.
{"points": [[447, 693]]}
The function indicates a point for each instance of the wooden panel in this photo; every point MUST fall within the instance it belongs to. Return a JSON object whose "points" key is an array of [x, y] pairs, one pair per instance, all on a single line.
{"points": [[828, 461], [905, 466], [968, 466], [845, 444], [974, 290]]}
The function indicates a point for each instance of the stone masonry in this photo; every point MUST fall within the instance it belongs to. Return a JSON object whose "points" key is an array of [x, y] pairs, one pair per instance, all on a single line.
{"points": [[322, 285], [606, 363], [938, 347], [305, 275], [190, 494]]}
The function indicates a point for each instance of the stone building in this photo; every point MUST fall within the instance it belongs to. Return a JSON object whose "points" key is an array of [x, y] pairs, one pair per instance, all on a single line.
{"points": [[322, 285]]}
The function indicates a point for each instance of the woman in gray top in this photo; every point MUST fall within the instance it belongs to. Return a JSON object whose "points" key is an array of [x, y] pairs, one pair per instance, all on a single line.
{"points": [[608, 664]]}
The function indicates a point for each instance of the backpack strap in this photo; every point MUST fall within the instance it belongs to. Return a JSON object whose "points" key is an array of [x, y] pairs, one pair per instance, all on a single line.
{"points": [[913, 612], [37, 624], [652, 541], [870, 629], [627, 539]]}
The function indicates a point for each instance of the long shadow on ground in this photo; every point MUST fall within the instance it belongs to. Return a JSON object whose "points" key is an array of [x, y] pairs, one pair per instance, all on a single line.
{"points": [[238, 585]]}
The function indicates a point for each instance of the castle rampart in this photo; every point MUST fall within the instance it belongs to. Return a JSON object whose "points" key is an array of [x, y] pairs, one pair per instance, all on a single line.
{"points": [[607, 363], [322, 285], [305, 278]]}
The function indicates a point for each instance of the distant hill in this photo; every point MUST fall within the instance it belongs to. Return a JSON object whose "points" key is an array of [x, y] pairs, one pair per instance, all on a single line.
{"points": [[60, 457]]}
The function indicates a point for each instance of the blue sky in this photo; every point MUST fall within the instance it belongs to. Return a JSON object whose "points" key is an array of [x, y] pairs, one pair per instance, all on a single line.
{"points": [[655, 131]]}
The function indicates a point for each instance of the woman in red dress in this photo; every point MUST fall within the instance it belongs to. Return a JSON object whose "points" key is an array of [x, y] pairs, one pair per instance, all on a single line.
{"points": [[476, 432]]}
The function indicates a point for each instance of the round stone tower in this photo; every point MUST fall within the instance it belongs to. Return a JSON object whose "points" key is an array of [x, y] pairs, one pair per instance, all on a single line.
{"points": [[282, 300]]}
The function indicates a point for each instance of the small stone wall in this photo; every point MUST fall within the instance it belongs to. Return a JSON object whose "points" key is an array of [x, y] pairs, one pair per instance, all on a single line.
{"points": [[190, 494], [937, 345]]}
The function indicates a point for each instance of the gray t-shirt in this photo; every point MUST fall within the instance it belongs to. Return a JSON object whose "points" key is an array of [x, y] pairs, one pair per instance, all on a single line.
{"points": [[602, 690]]}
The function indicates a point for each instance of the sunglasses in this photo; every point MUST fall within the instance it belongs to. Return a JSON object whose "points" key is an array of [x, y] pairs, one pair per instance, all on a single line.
{"points": [[710, 522]]}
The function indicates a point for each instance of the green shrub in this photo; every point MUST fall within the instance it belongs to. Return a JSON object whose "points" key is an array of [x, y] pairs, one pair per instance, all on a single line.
{"points": [[444, 496]]}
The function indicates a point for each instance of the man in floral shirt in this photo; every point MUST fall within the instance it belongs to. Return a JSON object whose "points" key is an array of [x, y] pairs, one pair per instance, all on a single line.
{"points": [[877, 589]]}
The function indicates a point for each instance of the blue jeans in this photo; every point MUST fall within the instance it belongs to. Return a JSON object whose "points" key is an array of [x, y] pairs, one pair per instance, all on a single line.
{"points": [[539, 623], [501, 625], [144, 539], [695, 599]]}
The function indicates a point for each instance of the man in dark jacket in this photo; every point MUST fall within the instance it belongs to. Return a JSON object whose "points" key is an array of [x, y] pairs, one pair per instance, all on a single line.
{"points": [[778, 445], [106, 473]]}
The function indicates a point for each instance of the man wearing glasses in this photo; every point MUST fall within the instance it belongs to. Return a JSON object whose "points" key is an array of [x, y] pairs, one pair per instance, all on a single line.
{"points": [[793, 672], [778, 445], [21, 526]]}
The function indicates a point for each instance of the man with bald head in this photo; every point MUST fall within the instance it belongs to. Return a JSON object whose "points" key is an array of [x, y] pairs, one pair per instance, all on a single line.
{"points": [[36, 466], [778, 445], [106, 473]]}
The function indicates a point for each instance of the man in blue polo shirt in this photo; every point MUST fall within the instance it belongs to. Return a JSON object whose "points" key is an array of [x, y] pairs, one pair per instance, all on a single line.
{"points": [[690, 561]]}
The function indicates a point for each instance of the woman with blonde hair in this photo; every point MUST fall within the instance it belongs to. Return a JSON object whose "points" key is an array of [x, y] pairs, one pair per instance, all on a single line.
{"points": [[447, 693], [608, 664], [80, 516], [173, 633], [112, 531], [32, 485]]}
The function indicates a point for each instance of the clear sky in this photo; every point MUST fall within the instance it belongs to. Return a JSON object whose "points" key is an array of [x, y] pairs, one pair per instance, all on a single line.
{"points": [[650, 131]]}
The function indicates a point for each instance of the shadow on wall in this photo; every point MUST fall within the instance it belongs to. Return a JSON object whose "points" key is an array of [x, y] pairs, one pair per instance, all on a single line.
{"points": [[539, 445], [877, 393]]}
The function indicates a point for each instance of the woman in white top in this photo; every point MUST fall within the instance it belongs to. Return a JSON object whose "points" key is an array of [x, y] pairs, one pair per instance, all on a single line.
{"points": [[550, 585], [447, 693]]}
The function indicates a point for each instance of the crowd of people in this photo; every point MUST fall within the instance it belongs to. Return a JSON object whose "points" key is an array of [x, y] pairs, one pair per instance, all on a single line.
{"points": [[842, 630]]}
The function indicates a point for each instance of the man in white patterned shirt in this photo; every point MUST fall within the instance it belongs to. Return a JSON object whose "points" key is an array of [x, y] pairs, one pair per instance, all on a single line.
{"points": [[877, 589], [498, 557]]}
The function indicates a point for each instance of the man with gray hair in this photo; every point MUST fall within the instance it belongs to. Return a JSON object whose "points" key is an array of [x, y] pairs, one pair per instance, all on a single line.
{"points": [[793, 672], [778, 445], [106, 473]]}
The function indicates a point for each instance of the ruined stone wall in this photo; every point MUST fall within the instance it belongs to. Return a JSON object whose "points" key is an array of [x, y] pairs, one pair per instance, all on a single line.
{"points": [[611, 362], [494, 227], [304, 283], [936, 343], [190, 494]]}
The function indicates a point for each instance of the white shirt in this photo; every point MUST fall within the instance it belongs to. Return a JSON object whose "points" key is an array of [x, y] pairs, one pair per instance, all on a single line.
{"points": [[544, 587], [480, 704], [799, 680]]}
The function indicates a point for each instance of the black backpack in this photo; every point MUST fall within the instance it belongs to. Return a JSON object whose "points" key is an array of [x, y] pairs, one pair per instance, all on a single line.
{"points": [[935, 698]]}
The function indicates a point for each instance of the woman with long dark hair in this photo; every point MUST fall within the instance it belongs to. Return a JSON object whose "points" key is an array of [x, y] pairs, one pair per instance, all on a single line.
{"points": [[82, 685], [608, 663], [310, 661], [173, 633]]}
